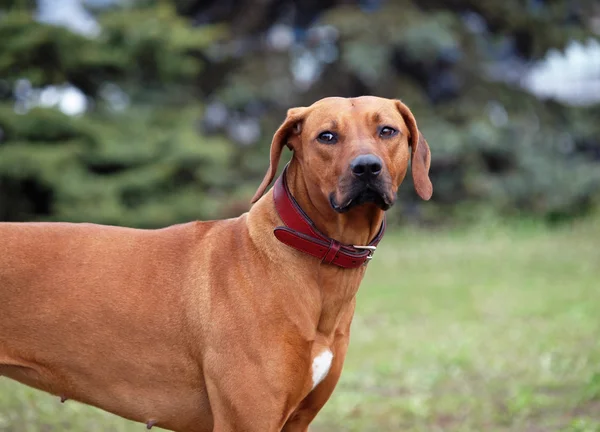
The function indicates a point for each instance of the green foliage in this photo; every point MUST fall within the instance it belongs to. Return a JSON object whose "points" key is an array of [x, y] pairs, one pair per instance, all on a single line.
{"points": [[144, 153], [160, 48], [141, 165], [111, 175]]}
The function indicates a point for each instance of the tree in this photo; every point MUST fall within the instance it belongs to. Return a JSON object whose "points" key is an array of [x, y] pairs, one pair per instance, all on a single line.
{"points": [[183, 97], [133, 157]]}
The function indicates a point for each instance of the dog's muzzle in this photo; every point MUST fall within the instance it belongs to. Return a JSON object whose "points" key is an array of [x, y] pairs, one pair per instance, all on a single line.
{"points": [[367, 185]]}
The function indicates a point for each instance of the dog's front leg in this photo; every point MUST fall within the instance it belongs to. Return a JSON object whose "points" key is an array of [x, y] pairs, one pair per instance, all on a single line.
{"points": [[248, 407], [316, 399], [254, 394]]}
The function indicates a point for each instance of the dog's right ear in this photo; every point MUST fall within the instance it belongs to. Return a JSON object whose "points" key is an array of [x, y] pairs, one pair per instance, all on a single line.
{"points": [[291, 126], [420, 154]]}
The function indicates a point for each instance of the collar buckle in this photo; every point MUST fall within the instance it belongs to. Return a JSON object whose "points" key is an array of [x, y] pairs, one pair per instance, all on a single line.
{"points": [[371, 250]]}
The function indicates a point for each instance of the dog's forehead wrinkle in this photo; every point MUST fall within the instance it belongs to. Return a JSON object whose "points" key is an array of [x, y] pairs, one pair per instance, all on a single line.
{"points": [[327, 123], [336, 102]]}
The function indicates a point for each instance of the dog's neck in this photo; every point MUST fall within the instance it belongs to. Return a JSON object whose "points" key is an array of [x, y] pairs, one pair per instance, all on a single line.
{"points": [[337, 287], [358, 226]]}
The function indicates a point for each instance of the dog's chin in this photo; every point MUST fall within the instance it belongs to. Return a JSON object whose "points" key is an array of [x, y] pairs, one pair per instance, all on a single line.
{"points": [[366, 195]]}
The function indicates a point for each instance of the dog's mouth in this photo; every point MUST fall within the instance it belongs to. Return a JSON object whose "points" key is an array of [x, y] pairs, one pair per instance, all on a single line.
{"points": [[366, 194]]}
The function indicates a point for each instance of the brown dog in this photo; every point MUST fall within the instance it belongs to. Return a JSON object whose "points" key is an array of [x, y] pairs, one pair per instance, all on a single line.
{"points": [[215, 326]]}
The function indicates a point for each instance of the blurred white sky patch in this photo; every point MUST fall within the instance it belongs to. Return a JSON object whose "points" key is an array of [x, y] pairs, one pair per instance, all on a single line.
{"points": [[68, 13], [572, 77], [67, 98], [72, 15], [72, 101]]}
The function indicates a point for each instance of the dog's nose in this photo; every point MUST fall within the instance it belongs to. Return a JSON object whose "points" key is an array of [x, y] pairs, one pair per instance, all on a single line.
{"points": [[366, 166]]}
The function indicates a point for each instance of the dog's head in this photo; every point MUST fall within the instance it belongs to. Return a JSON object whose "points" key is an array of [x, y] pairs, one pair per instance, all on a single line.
{"points": [[355, 151]]}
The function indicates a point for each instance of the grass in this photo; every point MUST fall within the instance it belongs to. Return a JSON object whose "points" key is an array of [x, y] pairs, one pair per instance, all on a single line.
{"points": [[494, 328]]}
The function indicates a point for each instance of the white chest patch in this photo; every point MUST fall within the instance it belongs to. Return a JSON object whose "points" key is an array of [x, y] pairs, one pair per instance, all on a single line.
{"points": [[320, 367]]}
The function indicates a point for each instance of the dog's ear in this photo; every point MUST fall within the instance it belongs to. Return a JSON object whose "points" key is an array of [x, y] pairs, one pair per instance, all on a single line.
{"points": [[420, 154], [292, 126]]}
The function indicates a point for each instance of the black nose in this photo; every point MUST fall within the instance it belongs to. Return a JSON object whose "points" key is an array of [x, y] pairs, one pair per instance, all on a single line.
{"points": [[366, 166]]}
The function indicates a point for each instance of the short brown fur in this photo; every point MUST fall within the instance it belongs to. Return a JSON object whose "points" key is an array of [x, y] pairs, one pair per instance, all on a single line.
{"points": [[205, 326]]}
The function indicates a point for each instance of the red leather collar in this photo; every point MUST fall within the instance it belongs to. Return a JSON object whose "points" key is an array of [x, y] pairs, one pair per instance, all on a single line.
{"points": [[302, 234]]}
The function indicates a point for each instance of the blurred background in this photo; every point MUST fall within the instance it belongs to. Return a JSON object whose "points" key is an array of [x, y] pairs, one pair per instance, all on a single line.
{"points": [[147, 113], [478, 313]]}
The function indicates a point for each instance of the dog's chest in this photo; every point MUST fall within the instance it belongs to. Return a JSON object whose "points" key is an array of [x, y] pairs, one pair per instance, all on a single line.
{"points": [[321, 365]]}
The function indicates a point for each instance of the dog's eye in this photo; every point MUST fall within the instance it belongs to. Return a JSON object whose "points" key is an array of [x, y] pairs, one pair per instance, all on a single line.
{"points": [[327, 137], [387, 132]]}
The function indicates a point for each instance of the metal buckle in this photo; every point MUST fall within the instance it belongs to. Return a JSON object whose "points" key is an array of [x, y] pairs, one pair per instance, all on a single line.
{"points": [[371, 250]]}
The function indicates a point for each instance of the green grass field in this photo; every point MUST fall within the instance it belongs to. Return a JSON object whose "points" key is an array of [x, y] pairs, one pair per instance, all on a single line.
{"points": [[491, 329]]}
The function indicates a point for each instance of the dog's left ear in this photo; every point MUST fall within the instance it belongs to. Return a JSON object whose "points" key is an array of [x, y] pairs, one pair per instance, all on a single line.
{"points": [[420, 154], [291, 126]]}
